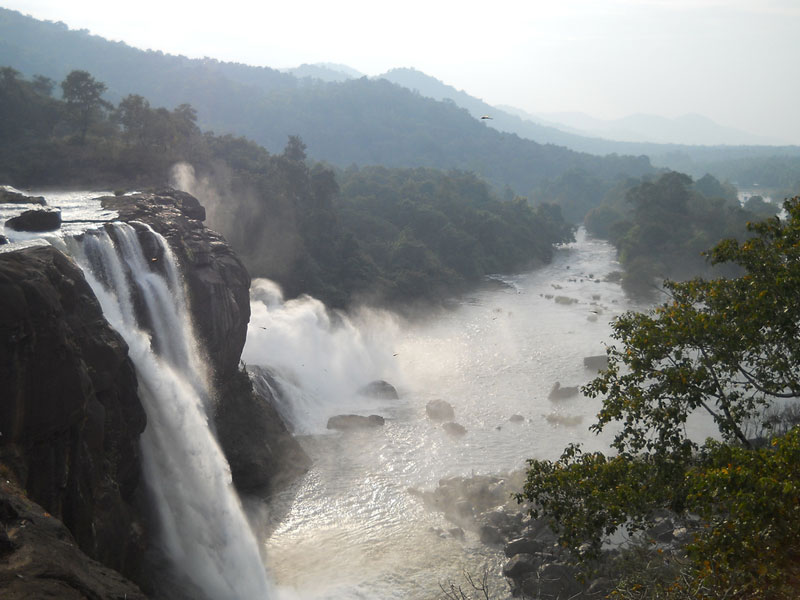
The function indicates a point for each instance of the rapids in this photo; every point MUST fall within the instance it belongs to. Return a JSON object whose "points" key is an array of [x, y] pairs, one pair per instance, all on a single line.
{"points": [[350, 528]]}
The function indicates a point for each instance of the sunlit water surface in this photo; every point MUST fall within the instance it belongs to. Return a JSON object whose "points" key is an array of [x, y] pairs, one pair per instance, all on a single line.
{"points": [[350, 528]]}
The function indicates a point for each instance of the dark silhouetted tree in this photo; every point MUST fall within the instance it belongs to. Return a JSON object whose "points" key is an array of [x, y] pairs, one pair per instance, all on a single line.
{"points": [[84, 97]]}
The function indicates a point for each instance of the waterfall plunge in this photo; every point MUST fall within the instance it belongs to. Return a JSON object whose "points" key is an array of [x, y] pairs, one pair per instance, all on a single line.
{"points": [[203, 528]]}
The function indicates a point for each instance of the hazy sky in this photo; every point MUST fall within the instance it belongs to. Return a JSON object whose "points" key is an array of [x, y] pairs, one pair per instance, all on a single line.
{"points": [[735, 61]]}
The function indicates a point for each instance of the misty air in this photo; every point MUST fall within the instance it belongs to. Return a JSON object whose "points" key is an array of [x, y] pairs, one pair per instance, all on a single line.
{"points": [[431, 302]]}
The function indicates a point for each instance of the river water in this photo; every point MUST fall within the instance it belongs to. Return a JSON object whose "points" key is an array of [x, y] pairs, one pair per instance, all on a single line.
{"points": [[351, 528]]}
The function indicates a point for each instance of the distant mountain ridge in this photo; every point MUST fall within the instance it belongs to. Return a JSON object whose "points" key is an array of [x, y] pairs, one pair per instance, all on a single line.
{"points": [[689, 129], [345, 120], [325, 72], [359, 121]]}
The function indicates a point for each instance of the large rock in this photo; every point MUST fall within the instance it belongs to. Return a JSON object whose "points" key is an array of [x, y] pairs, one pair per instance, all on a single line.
{"points": [[454, 429], [596, 363], [440, 410], [559, 392], [350, 422], [521, 565], [39, 558], [379, 389], [70, 416], [262, 456], [38, 220], [8, 196]]}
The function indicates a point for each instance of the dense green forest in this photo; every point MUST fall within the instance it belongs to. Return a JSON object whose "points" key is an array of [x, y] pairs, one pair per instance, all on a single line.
{"points": [[662, 226], [346, 122], [375, 234], [360, 121]]}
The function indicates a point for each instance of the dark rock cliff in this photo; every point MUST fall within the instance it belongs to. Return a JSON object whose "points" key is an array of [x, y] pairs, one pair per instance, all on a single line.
{"points": [[39, 557], [70, 417], [261, 452]]}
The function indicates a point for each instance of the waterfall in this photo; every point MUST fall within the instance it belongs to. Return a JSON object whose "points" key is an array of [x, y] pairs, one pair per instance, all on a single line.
{"points": [[203, 528], [319, 359]]}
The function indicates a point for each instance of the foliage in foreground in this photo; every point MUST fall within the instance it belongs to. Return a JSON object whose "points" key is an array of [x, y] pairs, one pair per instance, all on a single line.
{"points": [[726, 347]]}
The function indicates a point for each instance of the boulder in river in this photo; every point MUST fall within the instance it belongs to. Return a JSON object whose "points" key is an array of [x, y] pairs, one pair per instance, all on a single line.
{"points": [[440, 410], [8, 196], [351, 422], [516, 419], [43, 219], [454, 429], [596, 363], [557, 392], [379, 389]]}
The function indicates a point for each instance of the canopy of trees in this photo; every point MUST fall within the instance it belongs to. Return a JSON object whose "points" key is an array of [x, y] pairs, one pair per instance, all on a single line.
{"points": [[378, 234], [662, 227], [727, 347]]}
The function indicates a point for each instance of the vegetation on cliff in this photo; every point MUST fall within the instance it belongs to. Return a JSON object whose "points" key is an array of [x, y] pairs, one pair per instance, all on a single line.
{"points": [[726, 347]]}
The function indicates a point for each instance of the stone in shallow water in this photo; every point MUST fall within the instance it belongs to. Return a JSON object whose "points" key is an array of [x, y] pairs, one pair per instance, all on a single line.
{"points": [[349, 422], [43, 219], [454, 429], [439, 410], [379, 389]]}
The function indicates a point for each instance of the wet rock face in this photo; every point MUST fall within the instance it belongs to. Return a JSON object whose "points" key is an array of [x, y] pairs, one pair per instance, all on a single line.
{"points": [[217, 282], [40, 559], [70, 416], [262, 453]]}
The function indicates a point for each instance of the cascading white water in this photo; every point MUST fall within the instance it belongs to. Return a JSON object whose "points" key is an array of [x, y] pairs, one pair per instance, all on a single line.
{"points": [[351, 528], [319, 361], [203, 528]]}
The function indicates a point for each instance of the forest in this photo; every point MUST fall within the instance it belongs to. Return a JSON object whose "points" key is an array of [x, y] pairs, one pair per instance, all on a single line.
{"points": [[383, 235], [414, 210]]}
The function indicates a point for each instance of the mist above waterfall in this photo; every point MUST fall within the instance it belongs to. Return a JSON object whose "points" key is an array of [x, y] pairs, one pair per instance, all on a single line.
{"points": [[320, 357]]}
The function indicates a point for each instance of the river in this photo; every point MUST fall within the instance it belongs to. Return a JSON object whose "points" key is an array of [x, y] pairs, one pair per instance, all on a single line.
{"points": [[351, 528]]}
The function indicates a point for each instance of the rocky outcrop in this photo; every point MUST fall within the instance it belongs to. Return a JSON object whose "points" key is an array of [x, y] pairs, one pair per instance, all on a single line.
{"points": [[262, 456], [218, 285], [39, 557], [38, 220], [351, 422], [261, 451], [70, 416], [8, 196]]}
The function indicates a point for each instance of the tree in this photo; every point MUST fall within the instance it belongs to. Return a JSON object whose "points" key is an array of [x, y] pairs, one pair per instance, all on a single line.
{"points": [[84, 97], [132, 113], [729, 347]]}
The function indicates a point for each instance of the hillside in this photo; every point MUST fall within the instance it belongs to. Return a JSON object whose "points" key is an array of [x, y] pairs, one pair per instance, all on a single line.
{"points": [[357, 121], [747, 165]]}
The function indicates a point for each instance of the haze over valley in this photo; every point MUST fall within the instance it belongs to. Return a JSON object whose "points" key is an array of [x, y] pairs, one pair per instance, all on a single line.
{"points": [[444, 301]]}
